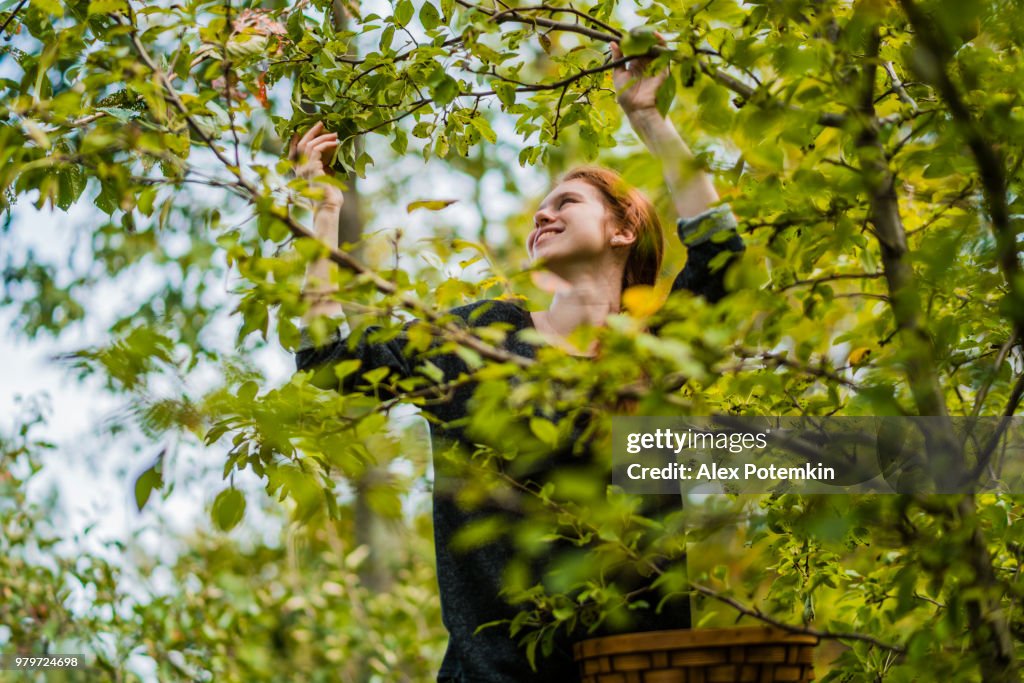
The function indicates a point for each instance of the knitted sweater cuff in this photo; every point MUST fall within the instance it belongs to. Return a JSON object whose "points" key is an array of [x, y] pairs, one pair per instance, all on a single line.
{"points": [[700, 228]]}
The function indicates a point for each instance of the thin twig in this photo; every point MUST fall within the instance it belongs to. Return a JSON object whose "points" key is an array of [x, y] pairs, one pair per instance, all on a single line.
{"points": [[983, 392], [830, 278], [228, 30], [861, 295], [897, 85], [990, 446], [14, 13], [545, 8], [512, 14], [959, 197], [761, 616], [784, 361], [395, 119]]}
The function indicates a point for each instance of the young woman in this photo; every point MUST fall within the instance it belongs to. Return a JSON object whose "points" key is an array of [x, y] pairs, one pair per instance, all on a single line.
{"points": [[596, 237]]}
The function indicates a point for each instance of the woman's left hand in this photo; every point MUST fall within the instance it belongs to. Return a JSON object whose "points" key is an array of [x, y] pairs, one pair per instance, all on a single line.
{"points": [[309, 153], [637, 91]]}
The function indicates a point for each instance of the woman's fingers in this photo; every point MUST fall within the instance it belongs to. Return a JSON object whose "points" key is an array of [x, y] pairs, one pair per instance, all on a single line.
{"points": [[324, 150], [320, 139], [312, 132], [312, 167], [314, 154], [298, 143], [325, 137], [310, 150], [306, 149], [325, 144], [301, 143]]}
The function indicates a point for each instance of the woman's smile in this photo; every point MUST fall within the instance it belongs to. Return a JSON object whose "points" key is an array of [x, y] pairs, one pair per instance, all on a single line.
{"points": [[546, 233]]}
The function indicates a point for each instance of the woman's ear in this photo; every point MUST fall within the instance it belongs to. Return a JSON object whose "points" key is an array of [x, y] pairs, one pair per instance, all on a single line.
{"points": [[623, 237]]}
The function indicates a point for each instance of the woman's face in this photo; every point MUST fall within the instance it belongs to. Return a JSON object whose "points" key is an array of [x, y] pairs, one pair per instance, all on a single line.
{"points": [[572, 223]]}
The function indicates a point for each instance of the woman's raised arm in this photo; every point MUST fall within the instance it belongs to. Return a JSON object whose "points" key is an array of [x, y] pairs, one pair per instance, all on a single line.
{"points": [[691, 189], [309, 151]]}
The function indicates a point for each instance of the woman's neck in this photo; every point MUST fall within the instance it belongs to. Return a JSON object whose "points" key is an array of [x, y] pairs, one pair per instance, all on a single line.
{"points": [[577, 303]]}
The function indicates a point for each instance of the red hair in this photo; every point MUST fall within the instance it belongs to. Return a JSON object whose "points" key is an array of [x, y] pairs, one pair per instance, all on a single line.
{"points": [[634, 212]]}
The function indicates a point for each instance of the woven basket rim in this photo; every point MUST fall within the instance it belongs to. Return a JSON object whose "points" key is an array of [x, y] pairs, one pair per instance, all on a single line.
{"points": [[688, 638]]}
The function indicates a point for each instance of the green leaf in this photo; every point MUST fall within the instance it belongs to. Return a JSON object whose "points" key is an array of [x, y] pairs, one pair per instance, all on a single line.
{"points": [[376, 375], [120, 113], [52, 7], [482, 125], [666, 93], [478, 533], [399, 141], [70, 184], [145, 201], [346, 367], [423, 129], [403, 12], [145, 484], [638, 41], [228, 509], [544, 430], [106, 7], [247, 392], [429, 16], [505, 91], [386, 37], [444, 88], [429, 204]]}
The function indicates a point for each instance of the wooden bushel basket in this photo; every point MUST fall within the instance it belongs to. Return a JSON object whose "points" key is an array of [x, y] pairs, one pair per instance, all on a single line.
{"points": [[723, 655]]}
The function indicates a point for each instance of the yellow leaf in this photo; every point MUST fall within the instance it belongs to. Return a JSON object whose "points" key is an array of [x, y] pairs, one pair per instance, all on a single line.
{"points": [[641, 301], [430, 204], [859, 356]]}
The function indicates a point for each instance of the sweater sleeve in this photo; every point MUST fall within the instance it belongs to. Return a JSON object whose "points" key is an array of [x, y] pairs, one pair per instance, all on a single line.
{"points": [[706, 236], [370, 353]]}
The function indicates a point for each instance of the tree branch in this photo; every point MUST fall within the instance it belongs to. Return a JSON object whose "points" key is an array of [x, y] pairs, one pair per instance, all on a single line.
{"points": [[779, 359], [991, 166], [892, 239], [990, 631], [983, 392], [498, 17], [814, 282], [337, 256], [985, 455], [512, 14], [898, 86], [803, 630], [828, 119], [228, 74], [14, 13]]}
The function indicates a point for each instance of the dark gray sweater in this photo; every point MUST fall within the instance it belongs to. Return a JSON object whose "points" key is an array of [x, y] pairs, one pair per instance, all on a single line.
{"points": [[470, 582]]}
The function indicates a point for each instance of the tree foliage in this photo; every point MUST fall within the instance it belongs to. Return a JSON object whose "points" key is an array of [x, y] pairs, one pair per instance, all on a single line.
{"points": [[871, 151]]}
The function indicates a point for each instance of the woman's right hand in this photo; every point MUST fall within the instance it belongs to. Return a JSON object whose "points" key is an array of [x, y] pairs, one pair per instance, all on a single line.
{"points": [[308, 152], [638, 91]]}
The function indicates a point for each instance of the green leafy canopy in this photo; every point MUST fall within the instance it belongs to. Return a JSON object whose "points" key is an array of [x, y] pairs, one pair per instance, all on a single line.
{"points": [[870, 150]]}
